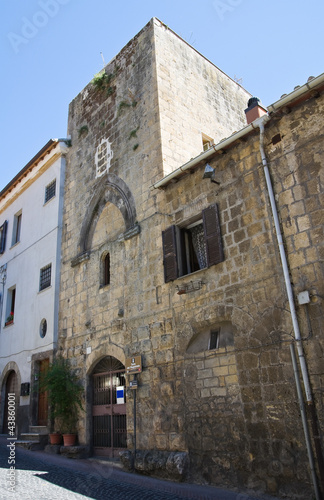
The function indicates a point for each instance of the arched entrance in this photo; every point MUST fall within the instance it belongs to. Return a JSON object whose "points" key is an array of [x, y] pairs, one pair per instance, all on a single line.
{"points": [[11, 388], [108, 409]]}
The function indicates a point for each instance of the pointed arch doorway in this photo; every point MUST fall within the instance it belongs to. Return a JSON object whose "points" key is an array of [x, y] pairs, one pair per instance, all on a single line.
{"points": [[109, 432]]}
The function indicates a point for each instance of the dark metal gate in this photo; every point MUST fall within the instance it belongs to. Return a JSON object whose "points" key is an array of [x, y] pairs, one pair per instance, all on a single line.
{"points": [[109, 417]]}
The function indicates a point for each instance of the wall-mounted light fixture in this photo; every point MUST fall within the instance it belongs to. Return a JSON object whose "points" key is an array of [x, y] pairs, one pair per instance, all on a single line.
{"points": [[209, 173]]}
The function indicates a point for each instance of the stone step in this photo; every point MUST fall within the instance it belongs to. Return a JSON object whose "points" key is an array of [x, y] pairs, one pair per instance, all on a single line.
{"points": [[29, 445], [32, 441], [38, 429], [29, 436]]}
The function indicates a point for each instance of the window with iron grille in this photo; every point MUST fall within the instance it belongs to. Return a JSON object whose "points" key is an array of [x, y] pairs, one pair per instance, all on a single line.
{"points": [[50, 191], [45, 277]]}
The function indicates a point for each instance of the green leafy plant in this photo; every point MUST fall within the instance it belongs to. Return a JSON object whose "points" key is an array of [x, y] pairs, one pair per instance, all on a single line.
{"points": [[133, 133], [123, 105], [65, 393], [102, 81], [83, 130]]}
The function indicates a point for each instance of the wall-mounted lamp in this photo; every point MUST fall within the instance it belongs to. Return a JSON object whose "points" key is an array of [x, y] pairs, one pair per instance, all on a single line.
{"points": [[210, 174]]}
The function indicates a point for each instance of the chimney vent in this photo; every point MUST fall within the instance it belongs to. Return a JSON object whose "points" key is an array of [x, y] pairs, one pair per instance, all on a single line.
{"points": [[254, 109]]}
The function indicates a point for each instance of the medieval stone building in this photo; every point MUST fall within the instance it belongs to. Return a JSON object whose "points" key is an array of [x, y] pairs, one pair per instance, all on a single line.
{"points": [[184, 277]]}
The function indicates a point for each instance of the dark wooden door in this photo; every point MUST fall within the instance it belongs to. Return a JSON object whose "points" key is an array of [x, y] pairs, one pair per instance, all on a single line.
{"points": [[11, 388], [42, 395]]}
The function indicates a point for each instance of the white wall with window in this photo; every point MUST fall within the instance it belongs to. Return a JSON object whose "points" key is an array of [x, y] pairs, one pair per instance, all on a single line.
{"points": [[31, 208]]}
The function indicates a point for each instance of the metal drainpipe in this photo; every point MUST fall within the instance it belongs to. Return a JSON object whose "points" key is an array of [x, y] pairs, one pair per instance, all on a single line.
{"points": [[259, 122], [304, 420]]}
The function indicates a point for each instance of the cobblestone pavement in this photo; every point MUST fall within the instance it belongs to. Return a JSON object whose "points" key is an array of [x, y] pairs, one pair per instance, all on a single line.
{"points": [[40, 476]]}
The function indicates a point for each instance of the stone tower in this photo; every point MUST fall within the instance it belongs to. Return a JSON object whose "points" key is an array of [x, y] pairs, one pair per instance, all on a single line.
{"points": [[156, 105]]}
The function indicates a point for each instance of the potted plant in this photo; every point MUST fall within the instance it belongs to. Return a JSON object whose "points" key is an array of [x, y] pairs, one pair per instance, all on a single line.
{"points": [[9, 319], [55, 437], [65, 398]]}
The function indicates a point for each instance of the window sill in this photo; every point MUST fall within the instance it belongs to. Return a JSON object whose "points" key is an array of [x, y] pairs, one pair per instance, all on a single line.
{"points": [[8, 323], [49, 201], [191, 274], [44, 289], [14, 244]]}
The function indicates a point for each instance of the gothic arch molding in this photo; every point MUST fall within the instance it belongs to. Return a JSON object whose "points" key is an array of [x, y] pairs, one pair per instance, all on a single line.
{"points": [[114, 190], [104, 350]]}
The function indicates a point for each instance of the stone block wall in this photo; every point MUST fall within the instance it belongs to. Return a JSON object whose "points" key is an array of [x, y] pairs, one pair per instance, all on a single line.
{"points": [[233, 409], [213, 104]]}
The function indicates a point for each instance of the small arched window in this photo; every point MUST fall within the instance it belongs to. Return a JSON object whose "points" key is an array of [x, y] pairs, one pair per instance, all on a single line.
{"points": [[105, 271]]}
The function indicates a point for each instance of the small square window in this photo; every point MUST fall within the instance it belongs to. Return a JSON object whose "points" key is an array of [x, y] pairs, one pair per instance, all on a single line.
{"points": [[45, 277], [50, 191]]}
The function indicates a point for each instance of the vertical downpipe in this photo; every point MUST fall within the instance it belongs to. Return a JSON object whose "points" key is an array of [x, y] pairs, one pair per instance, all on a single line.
{"points": [[304, 420], [259, 122]]}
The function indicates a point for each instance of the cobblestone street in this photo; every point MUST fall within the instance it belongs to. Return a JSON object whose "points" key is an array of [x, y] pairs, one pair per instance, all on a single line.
{"points": [[40, 476]]}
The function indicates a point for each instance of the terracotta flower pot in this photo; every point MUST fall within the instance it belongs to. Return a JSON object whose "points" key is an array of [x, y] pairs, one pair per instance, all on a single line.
{"points": [[69, 439], [55, 438]]}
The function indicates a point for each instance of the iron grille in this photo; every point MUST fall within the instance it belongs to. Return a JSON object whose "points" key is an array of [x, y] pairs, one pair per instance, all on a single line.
{"points": [[45, 277], [50, 191]]}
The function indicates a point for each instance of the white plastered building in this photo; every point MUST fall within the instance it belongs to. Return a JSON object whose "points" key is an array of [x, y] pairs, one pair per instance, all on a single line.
{"points": [[31, 208]]}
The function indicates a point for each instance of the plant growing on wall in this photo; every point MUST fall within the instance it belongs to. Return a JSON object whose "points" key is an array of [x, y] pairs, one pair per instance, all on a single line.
{"points": [[102, 81], [133, 133], [83, 130]]}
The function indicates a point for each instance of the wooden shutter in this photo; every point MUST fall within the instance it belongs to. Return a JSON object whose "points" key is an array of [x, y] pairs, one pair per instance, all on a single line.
{"points": [[213, 237], [170, 260], [3, 237]]}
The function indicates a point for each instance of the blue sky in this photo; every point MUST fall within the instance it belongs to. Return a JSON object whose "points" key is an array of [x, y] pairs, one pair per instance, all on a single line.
{"points": [[51, 49]]}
